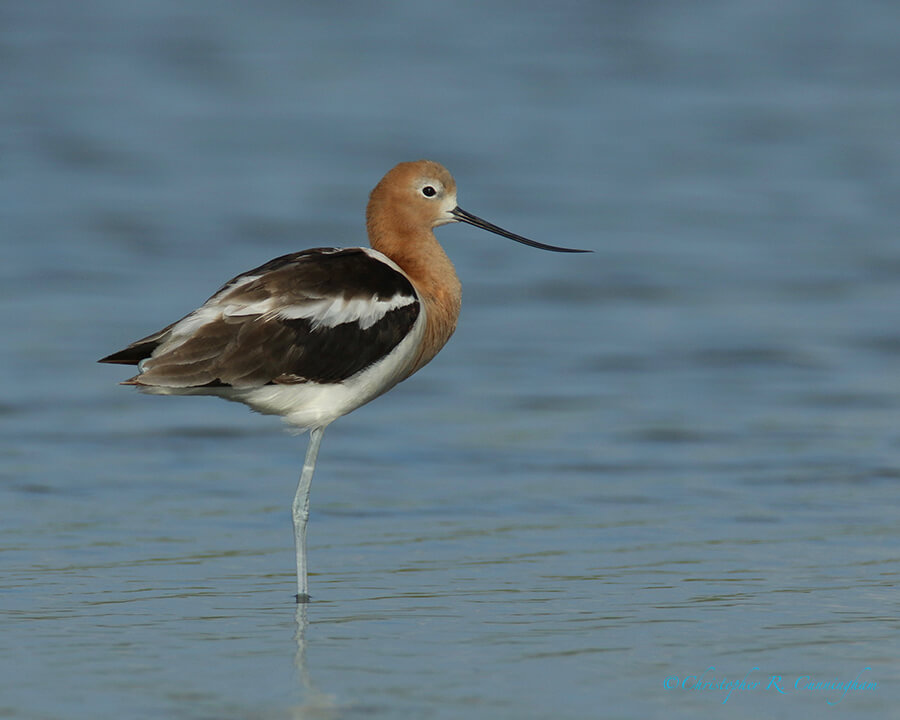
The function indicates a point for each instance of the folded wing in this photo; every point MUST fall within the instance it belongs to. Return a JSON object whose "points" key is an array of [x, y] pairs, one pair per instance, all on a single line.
{"points": [[321, 316]]}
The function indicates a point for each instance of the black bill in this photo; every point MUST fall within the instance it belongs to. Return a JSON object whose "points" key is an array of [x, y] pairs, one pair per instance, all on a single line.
{"points": [[465, 217]]}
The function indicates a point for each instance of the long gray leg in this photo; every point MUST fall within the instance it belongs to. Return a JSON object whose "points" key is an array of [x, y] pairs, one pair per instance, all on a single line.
{"points": [[301, 511]]}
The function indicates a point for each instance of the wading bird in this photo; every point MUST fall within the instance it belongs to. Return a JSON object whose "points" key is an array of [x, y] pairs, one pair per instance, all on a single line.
{"points": [[313, 335]]}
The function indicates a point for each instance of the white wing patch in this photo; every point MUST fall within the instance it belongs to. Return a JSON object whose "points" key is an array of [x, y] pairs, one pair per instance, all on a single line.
{"points": [[330, 312], [190, 325], [324, 312]]}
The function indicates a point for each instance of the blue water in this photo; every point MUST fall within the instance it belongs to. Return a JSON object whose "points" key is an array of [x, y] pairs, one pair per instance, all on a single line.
{"points": [[678, 453]]}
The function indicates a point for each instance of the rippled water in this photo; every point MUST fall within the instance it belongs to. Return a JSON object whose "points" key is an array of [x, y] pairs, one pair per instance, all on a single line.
{"points": [[676, 454]]}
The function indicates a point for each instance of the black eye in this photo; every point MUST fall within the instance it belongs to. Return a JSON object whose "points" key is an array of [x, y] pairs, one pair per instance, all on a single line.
{"points": [[429, 191]]}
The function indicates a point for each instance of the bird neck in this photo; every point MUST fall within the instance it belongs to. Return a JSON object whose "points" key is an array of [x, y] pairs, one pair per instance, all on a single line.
{"points": [[424, 261]]}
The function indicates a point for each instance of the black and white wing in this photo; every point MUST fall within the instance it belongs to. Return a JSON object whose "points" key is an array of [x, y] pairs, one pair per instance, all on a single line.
{"points": [[320, 315]]}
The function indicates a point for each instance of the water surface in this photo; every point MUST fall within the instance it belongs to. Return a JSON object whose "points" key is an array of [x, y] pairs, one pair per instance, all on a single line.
{"points": [[678, 453]]}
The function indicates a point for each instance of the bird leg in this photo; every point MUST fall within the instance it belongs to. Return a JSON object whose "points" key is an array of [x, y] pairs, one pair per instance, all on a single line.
{"points": [[300, 510]]}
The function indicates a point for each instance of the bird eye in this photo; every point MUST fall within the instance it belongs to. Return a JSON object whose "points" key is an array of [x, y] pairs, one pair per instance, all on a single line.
{"points": [[429, 191]]}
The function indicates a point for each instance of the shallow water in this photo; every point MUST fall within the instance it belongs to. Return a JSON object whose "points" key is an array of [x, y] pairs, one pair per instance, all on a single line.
{"points": [[678, 453]]}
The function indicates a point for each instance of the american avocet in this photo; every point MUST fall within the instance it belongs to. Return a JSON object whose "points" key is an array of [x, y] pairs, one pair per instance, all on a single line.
{"points": [[313, 335]]}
